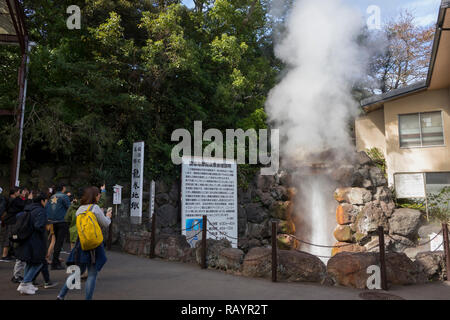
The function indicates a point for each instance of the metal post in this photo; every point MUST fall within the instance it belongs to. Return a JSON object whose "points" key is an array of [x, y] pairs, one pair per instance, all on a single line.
{"points": [[153, 237], [204, 242], [382, 258], [274, 252], [110, 232], [446, 249]]}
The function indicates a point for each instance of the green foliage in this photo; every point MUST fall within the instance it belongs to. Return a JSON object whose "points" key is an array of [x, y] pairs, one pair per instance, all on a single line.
{"points": [[137, 70], [439, 205], [377, 157]]}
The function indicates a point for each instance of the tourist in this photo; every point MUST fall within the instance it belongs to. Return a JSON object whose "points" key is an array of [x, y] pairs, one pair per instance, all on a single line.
{"points": [[19, 266], [71, 219], [16, 204], [32, 251], [56, 209], [83, 259]]}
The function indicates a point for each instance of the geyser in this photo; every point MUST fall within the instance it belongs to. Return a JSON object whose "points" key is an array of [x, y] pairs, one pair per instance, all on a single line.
{"points": [[312, 104]]}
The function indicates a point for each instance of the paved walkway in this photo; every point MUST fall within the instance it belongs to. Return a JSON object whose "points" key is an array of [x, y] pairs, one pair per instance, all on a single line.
{"points": [[130, 277]]}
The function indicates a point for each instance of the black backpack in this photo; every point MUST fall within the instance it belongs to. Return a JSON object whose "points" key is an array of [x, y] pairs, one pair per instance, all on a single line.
{"points": [[23, 228]]}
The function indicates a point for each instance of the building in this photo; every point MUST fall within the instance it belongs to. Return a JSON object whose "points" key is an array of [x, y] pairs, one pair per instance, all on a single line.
{"points": [[411, 125]]}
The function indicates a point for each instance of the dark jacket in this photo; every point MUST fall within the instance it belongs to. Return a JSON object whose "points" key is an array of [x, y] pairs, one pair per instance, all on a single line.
{"points": [[57, 207], [15, 206], [2, 204], [34, 249]]}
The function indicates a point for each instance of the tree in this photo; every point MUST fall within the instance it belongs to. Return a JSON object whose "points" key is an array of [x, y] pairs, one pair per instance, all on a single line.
{"points": [[137, 70], [406, 57]]}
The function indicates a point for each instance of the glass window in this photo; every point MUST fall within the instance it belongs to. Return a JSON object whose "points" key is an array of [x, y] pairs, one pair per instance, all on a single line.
{"points": [[410, 130], [436, 181], [421, 129], [432, 131]]}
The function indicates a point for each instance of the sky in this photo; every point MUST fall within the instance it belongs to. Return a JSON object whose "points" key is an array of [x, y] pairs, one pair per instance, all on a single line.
{"points": [[425, 11]]}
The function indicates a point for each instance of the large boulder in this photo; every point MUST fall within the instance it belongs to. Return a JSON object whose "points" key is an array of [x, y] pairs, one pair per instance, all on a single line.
{"points": [[346, 247], [369, 219], [137, 243], [377, 177], [286, 242], [280, 193], [432, 264], [242, 221], [401, 270], [363, 159], [255, 212], [162, 199], [295, 265], [167, 215], [258, 263], [258, 230], [171, 247], [280, 210], [265, 198], [383, 194], [264, 182], [230, 259], [213, 249], [405, 222], [353, 195], [346, 213], [343, 233], [350, 269]]}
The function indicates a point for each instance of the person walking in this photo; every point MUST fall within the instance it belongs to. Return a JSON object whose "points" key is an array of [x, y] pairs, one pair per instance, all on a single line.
{"points": [[24, 198], [92, 260], [9, 219], [32, 251], [56, 209]]}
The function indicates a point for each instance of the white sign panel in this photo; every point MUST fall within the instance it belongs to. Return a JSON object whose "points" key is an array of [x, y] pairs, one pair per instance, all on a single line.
{"points": [[152, 199], [437, 243], [137, 180], [117, 195], [209, 187], [409, 185]]}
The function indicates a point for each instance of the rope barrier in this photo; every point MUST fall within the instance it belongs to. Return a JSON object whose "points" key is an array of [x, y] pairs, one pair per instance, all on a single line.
{"points": [[319, 245], [418, 245], [437, 248]]}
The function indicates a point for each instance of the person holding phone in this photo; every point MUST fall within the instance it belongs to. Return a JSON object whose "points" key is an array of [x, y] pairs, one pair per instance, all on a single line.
{"points": [[95, 259]]}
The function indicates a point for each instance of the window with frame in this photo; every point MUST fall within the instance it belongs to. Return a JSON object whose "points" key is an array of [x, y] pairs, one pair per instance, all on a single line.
{"points": [[423, 129]]}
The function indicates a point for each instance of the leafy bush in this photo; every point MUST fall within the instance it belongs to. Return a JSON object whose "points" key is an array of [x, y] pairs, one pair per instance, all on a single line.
{"points": [[377, 157], [439, 205]]}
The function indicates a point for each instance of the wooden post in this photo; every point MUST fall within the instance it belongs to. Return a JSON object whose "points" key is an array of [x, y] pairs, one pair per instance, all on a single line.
{"points": [[382, 258], [446, 249], [153, 237], [204, 225], [274, 252]]}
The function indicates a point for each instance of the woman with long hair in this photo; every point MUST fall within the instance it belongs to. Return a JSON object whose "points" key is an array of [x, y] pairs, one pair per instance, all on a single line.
{"points": [[95, 259]]}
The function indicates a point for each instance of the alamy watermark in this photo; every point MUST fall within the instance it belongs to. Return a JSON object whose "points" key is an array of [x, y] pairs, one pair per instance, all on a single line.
{"points": [[74, 20], [374, 19], [257, 148]]}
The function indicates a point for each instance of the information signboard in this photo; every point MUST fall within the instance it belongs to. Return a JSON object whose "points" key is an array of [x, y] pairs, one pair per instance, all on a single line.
{"points": [[117, 194], [137, 180], [209, 187], [409, 185]]}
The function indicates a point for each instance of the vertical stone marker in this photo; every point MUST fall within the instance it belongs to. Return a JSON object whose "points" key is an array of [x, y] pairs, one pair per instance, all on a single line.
{"points": [[137, 180], [209, 187]]}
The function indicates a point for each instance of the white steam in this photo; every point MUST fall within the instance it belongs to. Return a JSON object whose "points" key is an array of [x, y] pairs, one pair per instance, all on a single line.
{"points": [[313, 103]]}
